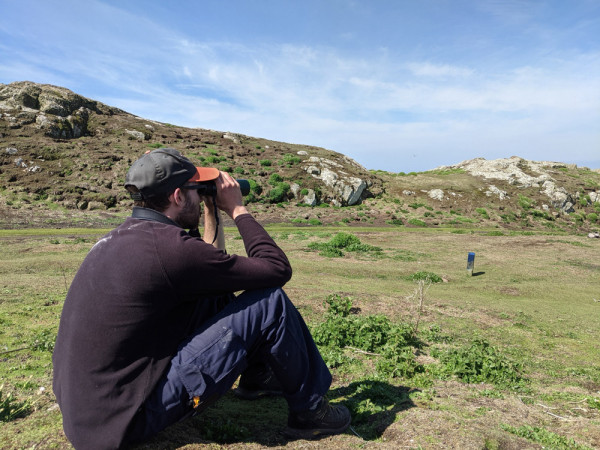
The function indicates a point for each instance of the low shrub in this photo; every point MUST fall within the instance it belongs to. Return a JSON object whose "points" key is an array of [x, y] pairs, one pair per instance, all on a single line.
{"points": [[544, 437], [479, 362], [417, 223], [483, 212], [426, 276], [288, 158], [391, 343], [343, 241], [279, 193], [275, 179], [397, 222]]}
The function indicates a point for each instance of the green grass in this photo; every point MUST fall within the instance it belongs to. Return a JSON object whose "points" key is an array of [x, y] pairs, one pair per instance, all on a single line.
{"points": [[526, 327]]}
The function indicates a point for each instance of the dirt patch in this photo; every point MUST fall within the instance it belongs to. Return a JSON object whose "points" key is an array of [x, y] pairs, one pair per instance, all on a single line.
{"points": [[512, 291]]}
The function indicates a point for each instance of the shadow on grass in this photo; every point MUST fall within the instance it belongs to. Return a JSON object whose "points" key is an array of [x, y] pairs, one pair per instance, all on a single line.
{"points": [[373, 404]]}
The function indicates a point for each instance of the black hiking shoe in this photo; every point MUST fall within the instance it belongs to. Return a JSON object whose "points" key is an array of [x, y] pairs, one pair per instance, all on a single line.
{"points": [[322, 421], [255, 384]]}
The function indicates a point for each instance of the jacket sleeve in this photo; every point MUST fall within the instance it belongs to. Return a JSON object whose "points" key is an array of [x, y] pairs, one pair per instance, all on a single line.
{"points": [[197, 268]]}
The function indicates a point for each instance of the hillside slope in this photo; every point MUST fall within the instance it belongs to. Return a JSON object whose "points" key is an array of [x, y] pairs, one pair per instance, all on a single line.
{"points": [[63, 159]]}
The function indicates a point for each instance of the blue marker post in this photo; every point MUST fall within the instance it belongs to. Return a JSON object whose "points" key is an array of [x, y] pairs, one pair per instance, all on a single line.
{"points": [[470, 263]]}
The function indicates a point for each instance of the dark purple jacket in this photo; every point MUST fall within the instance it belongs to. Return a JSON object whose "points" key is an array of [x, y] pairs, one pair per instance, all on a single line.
{"points": [[135, 297]]}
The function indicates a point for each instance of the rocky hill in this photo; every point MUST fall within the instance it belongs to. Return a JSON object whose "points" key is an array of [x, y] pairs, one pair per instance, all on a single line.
{"points": [[63, 160]]}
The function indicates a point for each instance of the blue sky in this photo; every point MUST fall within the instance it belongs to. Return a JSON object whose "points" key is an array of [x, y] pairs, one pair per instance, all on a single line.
{"points": [[397, 85]]}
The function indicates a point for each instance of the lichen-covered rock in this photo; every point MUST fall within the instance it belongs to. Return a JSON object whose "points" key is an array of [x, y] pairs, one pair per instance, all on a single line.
{"points": [[344, 189], [493, 190], [559, 197], [59, 111], [522, 173], [136, 134], [436, 194]]}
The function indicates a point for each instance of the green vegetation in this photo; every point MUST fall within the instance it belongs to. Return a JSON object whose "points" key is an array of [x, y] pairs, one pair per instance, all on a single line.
{"points": [[544, 437], [483, 212], [10, 408], [446, 172], [291, 159], [393, 344], [417, 222], [279, 192], [402, 346], [343, 241], [479, 362], [429, 277], [524, 202]]}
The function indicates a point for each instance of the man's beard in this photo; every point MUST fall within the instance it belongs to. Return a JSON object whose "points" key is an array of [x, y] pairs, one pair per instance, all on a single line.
{"points": [[189, 217]]}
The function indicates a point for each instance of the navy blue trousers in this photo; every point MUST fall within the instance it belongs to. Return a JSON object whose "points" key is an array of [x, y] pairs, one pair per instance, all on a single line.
{"points": [[257, 327]]}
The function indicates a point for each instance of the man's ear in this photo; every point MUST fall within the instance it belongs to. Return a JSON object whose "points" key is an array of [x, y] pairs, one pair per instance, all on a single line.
{"points": [[177, 197]]}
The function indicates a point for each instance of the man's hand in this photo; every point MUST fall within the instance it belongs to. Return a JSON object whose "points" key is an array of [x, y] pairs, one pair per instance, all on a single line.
{"points": [[229, 196]]}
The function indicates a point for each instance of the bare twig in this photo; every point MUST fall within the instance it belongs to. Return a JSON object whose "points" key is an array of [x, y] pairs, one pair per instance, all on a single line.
{"points": [[14, 350], [358, 350], [419, 297], [558, 417], [544, 406], [62, 269]]}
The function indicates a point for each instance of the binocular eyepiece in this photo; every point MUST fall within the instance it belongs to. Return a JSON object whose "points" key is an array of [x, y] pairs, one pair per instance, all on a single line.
{"points": [[209, 188]]}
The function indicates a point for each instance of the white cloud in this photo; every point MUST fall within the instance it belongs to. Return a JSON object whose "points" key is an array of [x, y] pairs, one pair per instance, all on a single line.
{"points": [[427, 69], [373, 106]]}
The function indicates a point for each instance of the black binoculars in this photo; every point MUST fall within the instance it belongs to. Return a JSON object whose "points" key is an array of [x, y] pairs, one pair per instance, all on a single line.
{"points": [[210, 188]]}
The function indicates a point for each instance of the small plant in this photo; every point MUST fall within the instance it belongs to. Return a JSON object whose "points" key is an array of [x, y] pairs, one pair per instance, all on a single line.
{"points": [[44, 341], [373, 335], [288, 158], [397, 222], [265, 162], [275, 179], [524, 202], [585, 200], [10, 408], [594, 403], [480, 362], [417, 223], [483, 212], [343, 241], [544, 437], [279, 193], [426, 276]]}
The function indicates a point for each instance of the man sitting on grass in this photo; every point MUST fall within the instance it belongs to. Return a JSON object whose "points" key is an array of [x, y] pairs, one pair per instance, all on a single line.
{"points": [[151, 332]]}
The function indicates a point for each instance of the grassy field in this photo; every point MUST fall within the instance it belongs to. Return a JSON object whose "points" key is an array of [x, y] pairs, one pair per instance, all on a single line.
{"points": [[423, 355]]}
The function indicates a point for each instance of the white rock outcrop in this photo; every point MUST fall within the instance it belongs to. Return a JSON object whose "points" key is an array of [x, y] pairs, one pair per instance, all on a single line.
{"points": [[522, 173], [436, 194], [346, 189]]}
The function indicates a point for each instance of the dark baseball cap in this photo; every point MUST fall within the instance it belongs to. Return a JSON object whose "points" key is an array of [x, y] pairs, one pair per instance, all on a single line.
{"points": [[163, 170]]}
